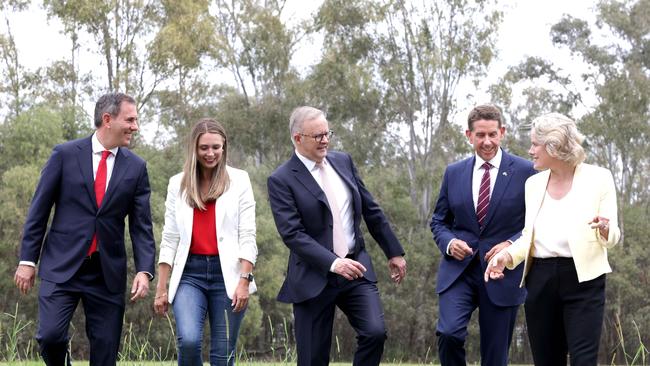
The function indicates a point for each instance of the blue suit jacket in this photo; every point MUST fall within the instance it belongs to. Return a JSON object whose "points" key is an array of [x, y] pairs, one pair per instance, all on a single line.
{"points": [[455, 217], [67, 183], [304, 221]]}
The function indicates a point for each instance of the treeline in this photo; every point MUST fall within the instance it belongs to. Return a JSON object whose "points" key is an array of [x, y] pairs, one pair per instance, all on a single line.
{"points": [[393, 75]]}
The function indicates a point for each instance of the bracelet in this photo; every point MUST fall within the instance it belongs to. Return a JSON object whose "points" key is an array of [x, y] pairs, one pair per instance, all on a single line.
{"points": [[158, 297]]}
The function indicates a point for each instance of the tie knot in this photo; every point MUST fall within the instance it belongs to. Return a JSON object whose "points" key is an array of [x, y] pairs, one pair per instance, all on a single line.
{"points": [[105, 154], [320, 165], [486, 166]]}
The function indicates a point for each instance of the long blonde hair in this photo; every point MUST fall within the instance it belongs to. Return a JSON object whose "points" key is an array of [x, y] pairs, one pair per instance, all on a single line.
{"points": [[219, 182]]}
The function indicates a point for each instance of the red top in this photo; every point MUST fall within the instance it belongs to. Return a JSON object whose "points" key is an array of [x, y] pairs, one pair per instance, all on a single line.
{"points": [[204, 231]]}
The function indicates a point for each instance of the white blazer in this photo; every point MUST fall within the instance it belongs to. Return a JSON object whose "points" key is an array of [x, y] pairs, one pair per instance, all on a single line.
{"points": [[235, 221], [592, 194]]}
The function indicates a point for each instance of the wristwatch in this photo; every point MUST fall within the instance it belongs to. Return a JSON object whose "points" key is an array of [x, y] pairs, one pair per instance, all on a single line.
{"points": [[247, 275]]}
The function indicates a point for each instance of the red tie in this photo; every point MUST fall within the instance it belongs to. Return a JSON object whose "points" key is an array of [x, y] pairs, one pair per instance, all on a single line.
{"points": [[100, 190], [483, 194]]}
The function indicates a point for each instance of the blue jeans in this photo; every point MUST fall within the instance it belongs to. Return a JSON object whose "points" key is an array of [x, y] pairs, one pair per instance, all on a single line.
{"points": [[202, 292]]}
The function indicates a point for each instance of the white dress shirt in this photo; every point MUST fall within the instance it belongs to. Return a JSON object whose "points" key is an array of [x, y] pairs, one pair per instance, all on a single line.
{"points": [[343, 197], [97, 156], [477, 176]]}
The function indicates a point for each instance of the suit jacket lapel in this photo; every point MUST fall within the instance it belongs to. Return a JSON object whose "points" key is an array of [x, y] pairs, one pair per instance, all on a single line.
{"points": [[466, 186], [346, 177], [119, 168], [220, 209], [503, 179], [306, 179], [85, 160], [185, 213]]}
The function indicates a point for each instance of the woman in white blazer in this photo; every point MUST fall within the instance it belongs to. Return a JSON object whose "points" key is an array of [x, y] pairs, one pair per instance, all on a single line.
{"points": [[208, 245], [571, 220]]}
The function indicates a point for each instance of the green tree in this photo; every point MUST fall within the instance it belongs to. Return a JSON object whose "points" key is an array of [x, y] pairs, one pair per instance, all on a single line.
{"points": [[426, 52]]}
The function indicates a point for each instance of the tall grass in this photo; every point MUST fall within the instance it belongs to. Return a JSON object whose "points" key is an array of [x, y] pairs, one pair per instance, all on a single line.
{"points": [[17, 346]]}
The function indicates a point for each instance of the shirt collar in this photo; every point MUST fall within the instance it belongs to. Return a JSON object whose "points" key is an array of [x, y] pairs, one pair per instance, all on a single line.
{"points": [[309, 164], [98, 147], [495, 161]]}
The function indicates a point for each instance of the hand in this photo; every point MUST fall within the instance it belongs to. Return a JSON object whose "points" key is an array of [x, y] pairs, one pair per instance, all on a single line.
{"points": [[459, 249], [24, 278], [140, 287], [497, 265], [240, 298], [602, 224], [349, 269], [161, 302], [496, 249], [397, 267]]}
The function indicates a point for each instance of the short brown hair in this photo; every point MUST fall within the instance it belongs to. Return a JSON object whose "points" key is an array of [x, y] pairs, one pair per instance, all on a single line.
{"points": [[488, 112]]}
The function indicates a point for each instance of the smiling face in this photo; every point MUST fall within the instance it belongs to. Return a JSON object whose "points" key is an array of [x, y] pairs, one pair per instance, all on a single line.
{"points": [[486, 136], [209, 149], [306, 145], [120, 128], [541, 158]]}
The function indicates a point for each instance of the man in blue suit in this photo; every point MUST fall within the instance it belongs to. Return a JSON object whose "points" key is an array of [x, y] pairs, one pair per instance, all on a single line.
{"points": [[318, 201], [480, 211], [94, 184]]}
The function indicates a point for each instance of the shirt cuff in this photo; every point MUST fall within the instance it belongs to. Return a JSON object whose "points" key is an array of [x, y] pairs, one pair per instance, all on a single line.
{"points": [[27, 263], [334, 264], [449, 245], [148, 275]]}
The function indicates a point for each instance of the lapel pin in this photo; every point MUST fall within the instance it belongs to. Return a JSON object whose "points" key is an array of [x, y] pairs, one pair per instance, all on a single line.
{"points": [[505, 174]]}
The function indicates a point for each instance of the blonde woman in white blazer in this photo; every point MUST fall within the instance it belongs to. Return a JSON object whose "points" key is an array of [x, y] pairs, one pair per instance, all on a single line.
{"points": [[571, 221], [208, 245]]}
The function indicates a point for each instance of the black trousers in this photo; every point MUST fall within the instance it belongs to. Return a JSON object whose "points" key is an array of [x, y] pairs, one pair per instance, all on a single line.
{"points": [[564, 317], [314, 318], [104, 314]]}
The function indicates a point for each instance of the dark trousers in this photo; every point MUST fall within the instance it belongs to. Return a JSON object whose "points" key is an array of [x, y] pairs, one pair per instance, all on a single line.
{"points": [[314, 318], [563, 316], [456, 305], [104, 314]]}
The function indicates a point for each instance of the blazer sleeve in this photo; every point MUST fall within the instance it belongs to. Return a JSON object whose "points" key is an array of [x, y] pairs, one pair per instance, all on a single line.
{"points": [[45, 195], [246, 228], [608, 209], [376, 221], [443, 217], [140, 226], [170, 233]]}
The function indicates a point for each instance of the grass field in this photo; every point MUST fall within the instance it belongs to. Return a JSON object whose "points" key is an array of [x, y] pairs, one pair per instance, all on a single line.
{"points": [[170, 363], [85, 363]]}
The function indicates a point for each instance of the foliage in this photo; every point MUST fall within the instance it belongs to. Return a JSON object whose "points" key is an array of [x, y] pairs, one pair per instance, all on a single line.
{"points": [[391, 74]]}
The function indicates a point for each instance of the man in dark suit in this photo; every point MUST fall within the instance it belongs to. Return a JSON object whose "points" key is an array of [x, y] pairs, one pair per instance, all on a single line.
{"points": [[94, 184], [318, 201], [480, 211]]}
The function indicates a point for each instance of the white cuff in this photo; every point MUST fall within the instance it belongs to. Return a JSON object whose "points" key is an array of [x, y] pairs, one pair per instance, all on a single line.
{"points": [[334, 264]]}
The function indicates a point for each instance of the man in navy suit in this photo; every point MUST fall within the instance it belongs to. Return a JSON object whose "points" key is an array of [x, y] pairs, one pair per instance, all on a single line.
{"points": [[318, 201], [467, 244], [83, 255]]}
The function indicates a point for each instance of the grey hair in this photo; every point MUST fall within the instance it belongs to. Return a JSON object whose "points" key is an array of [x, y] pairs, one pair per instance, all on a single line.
{"points": [[300, 115], [110, 103], [560, 137]]}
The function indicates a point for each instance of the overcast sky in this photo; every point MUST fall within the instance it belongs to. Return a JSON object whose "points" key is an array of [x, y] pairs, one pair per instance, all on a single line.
{"points": [[524, 32]]}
